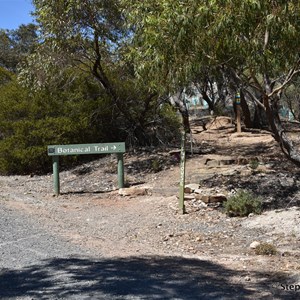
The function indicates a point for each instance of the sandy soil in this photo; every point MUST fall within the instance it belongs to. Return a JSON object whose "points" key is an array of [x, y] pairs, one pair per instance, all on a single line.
{"points": [[90, 212]]}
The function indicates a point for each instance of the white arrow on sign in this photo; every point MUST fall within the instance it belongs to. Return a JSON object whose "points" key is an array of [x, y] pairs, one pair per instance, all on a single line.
{"points": [[113, 147]]}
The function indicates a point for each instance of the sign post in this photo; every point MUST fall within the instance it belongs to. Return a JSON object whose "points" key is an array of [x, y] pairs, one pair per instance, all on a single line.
{"points": [[55, 161], [120, 170], [238, 111], [182, 173], [57, 150]]}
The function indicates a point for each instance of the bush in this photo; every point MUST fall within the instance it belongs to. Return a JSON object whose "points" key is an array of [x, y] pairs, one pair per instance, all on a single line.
{"points": [[78, 113], [31, 121], [265, 249], [254, 163], [242, 204]]}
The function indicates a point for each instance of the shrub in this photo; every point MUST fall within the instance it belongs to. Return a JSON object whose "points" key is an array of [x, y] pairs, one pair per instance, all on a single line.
{"points": [[242, 204], [254, 163], [31, 121], [265, 249], [156, 165]]}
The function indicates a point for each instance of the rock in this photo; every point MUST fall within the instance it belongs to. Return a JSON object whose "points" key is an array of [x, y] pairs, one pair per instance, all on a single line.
{"points": [[287, 182], [189, 197], [220, 122], [198, 191], [212, 163], [211, 198], [133, 191], [245, 173], [191, 187], [218, 160], [188, 190], [254, 245], [262, 169], [203, 198], [217, 198]]}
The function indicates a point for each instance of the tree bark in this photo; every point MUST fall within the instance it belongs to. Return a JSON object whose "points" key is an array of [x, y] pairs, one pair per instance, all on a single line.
{"points": [[279, 133], [246, 111], [208, 101], [178, 102]]}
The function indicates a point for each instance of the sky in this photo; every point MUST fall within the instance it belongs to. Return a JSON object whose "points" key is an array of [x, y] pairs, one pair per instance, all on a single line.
{"points": [[13, 13]]}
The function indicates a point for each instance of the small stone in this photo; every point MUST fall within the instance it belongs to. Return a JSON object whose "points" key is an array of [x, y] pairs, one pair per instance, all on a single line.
{"points": [[247, 278], [188, 190], [192, 187], [203, 198], [189, 197], [254, 245], [198, 191]]}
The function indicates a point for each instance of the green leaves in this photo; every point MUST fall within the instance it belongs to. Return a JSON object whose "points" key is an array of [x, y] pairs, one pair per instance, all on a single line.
{"points": [[16, 44], [176, 36]]}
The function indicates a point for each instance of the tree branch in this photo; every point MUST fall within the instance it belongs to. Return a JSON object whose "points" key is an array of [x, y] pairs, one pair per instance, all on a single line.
{"points": [[295, 70]]}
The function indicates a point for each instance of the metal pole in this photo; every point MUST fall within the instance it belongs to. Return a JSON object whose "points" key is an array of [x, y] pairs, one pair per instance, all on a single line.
{"points": [[120, 170], [55, 160], [182, 174]]}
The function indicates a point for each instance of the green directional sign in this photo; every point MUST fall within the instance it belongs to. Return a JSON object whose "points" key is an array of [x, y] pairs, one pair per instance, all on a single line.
{"points": [[77, 149], [56, 150]]}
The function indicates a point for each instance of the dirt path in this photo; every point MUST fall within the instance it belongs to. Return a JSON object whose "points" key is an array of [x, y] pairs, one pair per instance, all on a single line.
{"points": [[91, 213]]}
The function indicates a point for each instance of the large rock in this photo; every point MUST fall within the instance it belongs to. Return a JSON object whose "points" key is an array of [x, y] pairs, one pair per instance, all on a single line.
{"points": [[220, 122], [215, 160], [134, 191], [211, 198]]}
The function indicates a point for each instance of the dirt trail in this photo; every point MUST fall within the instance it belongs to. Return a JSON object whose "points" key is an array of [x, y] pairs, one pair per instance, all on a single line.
{"points": [[91, 213]]}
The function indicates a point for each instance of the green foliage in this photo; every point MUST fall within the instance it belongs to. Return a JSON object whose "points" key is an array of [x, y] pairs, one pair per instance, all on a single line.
{"points": [[77, 111], [169, 125], [242, 204], [265, 249], [16, 44], [5, 76], [254, 163], [156, 165], [219, 110], [31, 121], [248, 36]]}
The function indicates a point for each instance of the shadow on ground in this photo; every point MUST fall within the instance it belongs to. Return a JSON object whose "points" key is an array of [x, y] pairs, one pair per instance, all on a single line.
{"points": [[138, 278]]}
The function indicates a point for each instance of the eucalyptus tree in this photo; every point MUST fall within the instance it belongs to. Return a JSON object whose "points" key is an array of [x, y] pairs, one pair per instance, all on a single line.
{"points": [[16, 44], [255, 43], [90, 35]]}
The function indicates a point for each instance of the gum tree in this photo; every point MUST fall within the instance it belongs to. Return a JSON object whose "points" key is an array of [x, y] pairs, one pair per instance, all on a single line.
{"points": [[254, 43], [16, 44], [90, 35]]}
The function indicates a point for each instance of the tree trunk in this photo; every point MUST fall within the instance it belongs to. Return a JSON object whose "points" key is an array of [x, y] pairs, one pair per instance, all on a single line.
{"points": [[260, 118], [208, 101], [279, 133], [178, 102], [246, 112]]}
